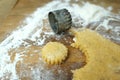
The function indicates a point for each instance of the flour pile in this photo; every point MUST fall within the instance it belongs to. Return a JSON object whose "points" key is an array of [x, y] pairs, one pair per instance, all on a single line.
{"points": [[34, 24]]}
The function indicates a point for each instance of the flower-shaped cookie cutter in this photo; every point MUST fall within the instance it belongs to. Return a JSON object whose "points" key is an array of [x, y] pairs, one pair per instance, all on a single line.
{"points": [[60, 20]]}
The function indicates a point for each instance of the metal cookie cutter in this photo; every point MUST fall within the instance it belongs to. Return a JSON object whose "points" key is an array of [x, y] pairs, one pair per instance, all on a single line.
{"points": [[60, 20]]}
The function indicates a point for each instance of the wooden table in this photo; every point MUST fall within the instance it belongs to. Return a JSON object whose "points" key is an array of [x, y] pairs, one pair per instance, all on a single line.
{"points": [[23, 8]]}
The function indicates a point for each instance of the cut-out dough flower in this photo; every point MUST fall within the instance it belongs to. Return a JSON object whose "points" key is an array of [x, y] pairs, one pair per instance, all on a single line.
{"points": [[54, 52], [103, 57]]}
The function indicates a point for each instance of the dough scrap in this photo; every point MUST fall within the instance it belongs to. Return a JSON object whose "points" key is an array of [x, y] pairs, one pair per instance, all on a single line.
{"points": [[54, 52], [103, 57]]}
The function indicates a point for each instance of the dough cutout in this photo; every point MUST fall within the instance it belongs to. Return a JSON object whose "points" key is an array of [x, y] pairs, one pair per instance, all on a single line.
{"points": [[54, 52]]}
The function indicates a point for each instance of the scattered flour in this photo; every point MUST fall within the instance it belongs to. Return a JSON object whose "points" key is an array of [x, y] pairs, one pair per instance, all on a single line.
{"points": [[33, 25]]}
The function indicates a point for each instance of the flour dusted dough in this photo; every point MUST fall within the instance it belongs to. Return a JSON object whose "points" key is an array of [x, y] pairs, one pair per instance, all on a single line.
{"points": [[54, 52], [103, 57]]}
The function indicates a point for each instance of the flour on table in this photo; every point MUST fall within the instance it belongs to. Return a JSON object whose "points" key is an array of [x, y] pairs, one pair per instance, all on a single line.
{"points": [[32, 29]]}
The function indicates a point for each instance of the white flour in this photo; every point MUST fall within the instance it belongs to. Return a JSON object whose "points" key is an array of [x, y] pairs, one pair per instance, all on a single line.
{"points": [[33, 25]]}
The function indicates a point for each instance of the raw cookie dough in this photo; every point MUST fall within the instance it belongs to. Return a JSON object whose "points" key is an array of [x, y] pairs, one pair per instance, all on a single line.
{"points": [[54, 52], [103, 57]]}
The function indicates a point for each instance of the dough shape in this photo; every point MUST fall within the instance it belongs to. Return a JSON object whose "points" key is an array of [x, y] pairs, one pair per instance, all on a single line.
{"points": [[54, 52], [103, 57]]}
